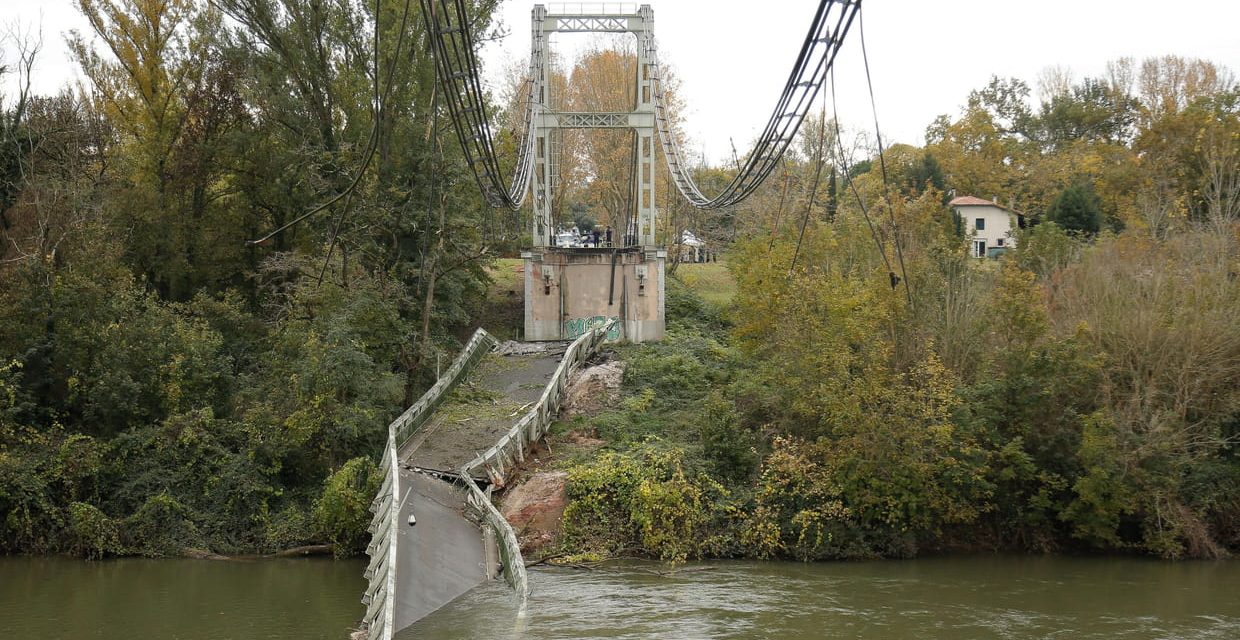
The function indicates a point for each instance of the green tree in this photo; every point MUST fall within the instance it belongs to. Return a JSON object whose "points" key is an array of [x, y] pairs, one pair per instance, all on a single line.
{"points": [[1077, 208], [1092, 111], [343, 511]]}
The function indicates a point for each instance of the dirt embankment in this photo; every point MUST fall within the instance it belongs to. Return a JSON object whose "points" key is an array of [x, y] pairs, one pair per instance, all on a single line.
{"points": [[535, 505]]}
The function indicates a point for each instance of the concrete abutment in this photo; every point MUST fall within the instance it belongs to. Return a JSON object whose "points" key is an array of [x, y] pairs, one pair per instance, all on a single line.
{"points": [[569, 291]]}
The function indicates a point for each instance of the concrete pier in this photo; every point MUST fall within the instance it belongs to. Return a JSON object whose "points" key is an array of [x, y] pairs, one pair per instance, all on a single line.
{"points": [[569, 291]]}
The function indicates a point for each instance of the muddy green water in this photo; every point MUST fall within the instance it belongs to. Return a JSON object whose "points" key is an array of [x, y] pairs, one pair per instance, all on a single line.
{"points": [[956, 598], [138, 599], [950, 598]]}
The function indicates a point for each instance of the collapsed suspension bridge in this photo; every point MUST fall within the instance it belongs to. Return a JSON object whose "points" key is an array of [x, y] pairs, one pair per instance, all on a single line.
{"points": [[435, 532]]}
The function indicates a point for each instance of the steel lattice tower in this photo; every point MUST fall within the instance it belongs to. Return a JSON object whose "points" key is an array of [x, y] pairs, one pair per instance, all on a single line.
{"points": [[548, 122]]}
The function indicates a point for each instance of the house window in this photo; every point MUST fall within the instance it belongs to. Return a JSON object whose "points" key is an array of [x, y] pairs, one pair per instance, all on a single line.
{"points": [[980, 224], [979, 248], [999, 242]]}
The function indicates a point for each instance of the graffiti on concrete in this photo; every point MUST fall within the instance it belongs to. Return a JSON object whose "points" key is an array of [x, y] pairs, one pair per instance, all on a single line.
{"points": [[575, 327]]}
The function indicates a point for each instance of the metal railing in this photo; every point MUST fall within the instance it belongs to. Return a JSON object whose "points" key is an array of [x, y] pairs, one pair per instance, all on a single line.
{"points": [[511, 561], [495, 462], [510, 450], [408, 423], [592, 8], [381, 571]]}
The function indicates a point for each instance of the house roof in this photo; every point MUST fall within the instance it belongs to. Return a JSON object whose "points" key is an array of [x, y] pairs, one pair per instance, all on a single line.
{"points": [[970, 201]]}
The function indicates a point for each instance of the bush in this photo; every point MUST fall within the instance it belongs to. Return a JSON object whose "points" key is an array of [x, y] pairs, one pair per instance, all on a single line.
{"points": [[798, 509], [162, 526], [342, 513], [92, 534], [1077, 208], [728, 447], [640, 502]]}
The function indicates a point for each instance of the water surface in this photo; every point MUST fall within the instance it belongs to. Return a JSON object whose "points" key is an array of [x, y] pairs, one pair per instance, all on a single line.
{"points": [[951, 598], [176, 599], [957, 598]]}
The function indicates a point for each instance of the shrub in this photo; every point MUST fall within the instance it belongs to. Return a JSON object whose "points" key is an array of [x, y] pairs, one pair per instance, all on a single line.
{"points": [[92, 534], [342, 513], [642, 501], [162, 526]]}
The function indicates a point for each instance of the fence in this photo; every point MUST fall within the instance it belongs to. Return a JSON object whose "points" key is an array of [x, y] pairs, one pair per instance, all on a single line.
{"points": [[381, 572], [510, 450], [408, 423], [511, 561], [496, 461]]}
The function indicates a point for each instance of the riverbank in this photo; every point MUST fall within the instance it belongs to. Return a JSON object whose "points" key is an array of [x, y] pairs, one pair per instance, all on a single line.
{"points": [[849, 437]]}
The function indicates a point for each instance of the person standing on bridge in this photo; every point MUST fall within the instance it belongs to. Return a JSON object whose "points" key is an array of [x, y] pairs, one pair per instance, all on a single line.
{"points": [[608, 235]]}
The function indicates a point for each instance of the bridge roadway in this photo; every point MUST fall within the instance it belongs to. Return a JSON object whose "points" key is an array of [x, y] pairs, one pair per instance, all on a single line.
{"points": [[446, 553]]}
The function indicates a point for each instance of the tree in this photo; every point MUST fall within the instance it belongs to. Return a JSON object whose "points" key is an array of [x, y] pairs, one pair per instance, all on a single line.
{"points": [[159, 52], [1169, 84], [1091, 111], [602, 160], [15, 140], [1077, 208]]}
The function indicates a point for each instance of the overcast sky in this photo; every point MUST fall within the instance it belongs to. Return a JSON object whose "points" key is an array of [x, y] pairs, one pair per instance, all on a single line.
{"points": [[733, 57]]}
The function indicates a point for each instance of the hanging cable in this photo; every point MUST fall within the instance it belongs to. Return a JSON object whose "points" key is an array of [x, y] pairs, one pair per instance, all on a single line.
{"points": [[372, 140], [839, 140], [779, 212], [458, 73], [882, 163], [379, 102], [451, 39], [813, 190], [816, 58]]}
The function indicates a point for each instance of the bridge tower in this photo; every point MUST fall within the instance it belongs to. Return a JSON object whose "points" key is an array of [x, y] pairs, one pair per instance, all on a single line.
{"points": [[569, 290]]}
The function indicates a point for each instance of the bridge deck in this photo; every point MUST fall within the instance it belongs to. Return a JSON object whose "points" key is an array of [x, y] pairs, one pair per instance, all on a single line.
{"points": [[446, 554], [485, 406]]}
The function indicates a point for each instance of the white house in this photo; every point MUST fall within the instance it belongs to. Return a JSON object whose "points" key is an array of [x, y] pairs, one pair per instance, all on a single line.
{"points": [[988, 226], [691, 248]]}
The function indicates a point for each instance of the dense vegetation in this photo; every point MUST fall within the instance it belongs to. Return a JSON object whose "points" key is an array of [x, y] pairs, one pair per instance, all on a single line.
{"points": [[164, 384], [870, 390], [1080, 393]]}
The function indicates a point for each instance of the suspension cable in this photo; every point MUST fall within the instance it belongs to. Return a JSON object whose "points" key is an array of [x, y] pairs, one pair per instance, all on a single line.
{"points": [[380, 102], [813, 190], [458, 73], [451, 39], [816, 58], [371, 142], [839, 140], [882, 163]]}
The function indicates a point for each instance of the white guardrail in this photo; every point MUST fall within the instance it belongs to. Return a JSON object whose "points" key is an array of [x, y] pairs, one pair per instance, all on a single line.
{"points": [[495, 462], [510, 451], [381, 572]]}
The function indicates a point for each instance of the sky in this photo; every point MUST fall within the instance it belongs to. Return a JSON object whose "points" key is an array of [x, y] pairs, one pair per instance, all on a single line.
{"points": [[733, 56]]}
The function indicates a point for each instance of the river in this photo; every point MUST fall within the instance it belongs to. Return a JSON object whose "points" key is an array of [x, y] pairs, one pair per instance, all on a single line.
{"points": [[956, 597], [140, 599]]}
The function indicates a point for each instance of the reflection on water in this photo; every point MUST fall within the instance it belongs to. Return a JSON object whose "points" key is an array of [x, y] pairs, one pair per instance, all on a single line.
{"points": [[956, 598], [992, 597], [303, 599]]}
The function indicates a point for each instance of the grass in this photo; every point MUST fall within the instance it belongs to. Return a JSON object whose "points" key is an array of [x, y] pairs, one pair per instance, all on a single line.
{"points": [[711, 280], [503, 312]]}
